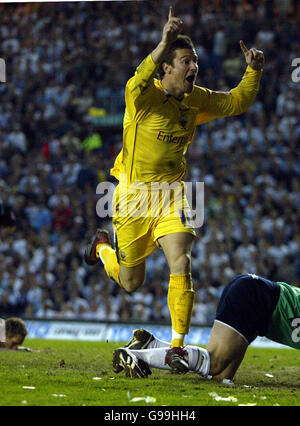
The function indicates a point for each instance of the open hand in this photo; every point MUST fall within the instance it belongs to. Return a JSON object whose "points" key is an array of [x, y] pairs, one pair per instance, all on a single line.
{"points": [[172, 28], [255, 58]]}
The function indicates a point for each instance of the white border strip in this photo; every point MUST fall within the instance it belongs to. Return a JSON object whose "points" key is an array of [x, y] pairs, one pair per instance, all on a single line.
{"points": [[2, 331], [119, 332], [64, 1]]}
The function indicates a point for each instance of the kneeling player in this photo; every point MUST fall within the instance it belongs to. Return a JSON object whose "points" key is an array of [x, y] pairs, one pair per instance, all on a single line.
{"points": [[250, 306], [14, 333]]}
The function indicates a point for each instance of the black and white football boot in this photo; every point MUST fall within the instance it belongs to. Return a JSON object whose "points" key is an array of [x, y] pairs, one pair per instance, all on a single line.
{"points": [[124, 359], [140, 339]]}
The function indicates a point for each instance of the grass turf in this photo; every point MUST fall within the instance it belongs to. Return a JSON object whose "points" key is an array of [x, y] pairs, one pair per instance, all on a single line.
{"points": [[63, 372]]}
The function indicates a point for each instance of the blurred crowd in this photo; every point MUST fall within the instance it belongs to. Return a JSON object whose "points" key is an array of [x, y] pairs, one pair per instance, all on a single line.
{"points": [[65, 59]]}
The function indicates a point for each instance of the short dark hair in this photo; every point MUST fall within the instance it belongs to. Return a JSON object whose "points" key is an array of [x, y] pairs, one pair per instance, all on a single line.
{"points": [[182, 42], [15, 327]]}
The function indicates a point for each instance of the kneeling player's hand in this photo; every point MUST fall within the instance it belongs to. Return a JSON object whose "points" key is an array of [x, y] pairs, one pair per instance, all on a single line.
{"points": [[23, 349]]}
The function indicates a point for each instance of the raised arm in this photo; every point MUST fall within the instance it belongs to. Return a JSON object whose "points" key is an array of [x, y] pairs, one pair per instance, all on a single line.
{"points": [[170, 32], [215, 104], [146, 71], [254, 58]]}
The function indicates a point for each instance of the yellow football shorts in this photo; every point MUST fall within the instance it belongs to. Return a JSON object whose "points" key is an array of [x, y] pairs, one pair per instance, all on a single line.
{"points": [[141, 216]]}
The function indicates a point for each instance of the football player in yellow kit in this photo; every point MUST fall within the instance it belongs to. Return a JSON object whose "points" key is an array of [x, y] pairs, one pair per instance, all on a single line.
{"points": [[160, 120]]}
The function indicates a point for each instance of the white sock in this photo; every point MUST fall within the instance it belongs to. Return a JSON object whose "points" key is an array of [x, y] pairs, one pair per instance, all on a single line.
{"points": [[153, 357], [176, 335], [157, 343], [199, 360]]}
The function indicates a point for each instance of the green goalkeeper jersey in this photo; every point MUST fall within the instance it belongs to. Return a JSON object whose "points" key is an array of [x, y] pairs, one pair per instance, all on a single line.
{"points": [[284, 326]]}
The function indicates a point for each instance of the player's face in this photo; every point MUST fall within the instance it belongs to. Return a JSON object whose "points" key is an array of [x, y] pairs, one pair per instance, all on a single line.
{"points": [[184, 70], [14, 341]]}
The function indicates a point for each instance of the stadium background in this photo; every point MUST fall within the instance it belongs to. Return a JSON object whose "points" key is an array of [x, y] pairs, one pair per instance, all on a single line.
{"points": [[60, 130]]}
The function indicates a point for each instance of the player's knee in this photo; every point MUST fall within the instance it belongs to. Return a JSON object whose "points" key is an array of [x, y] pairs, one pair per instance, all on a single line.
{"points": [[181, 264], [131, 284]]}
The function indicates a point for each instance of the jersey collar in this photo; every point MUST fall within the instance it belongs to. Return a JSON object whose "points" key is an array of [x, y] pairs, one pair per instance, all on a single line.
{"points": [[169, 96]]}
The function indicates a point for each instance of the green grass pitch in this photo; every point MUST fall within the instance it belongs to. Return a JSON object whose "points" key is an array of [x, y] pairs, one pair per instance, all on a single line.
{"points": [[63, 372]]}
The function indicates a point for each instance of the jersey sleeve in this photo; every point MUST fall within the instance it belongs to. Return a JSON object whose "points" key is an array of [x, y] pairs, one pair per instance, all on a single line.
{"points": [[142, 79], [214, 104]]}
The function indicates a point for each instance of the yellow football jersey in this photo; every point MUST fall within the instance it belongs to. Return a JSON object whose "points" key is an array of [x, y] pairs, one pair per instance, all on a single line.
{"points": [[159, 128]]}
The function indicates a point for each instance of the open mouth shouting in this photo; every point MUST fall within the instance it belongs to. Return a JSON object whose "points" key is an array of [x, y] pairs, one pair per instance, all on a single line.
{"points": [[189, 82]]}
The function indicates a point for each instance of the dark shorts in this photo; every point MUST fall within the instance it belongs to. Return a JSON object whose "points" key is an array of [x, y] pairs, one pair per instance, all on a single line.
{"points": [[247, 304]]}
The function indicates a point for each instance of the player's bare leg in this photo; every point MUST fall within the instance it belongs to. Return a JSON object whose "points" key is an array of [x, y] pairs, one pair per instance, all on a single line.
{"points": [[129, 278], [227, 349], [177, 249], [100, 248], [132, 278], [231, 369]]}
